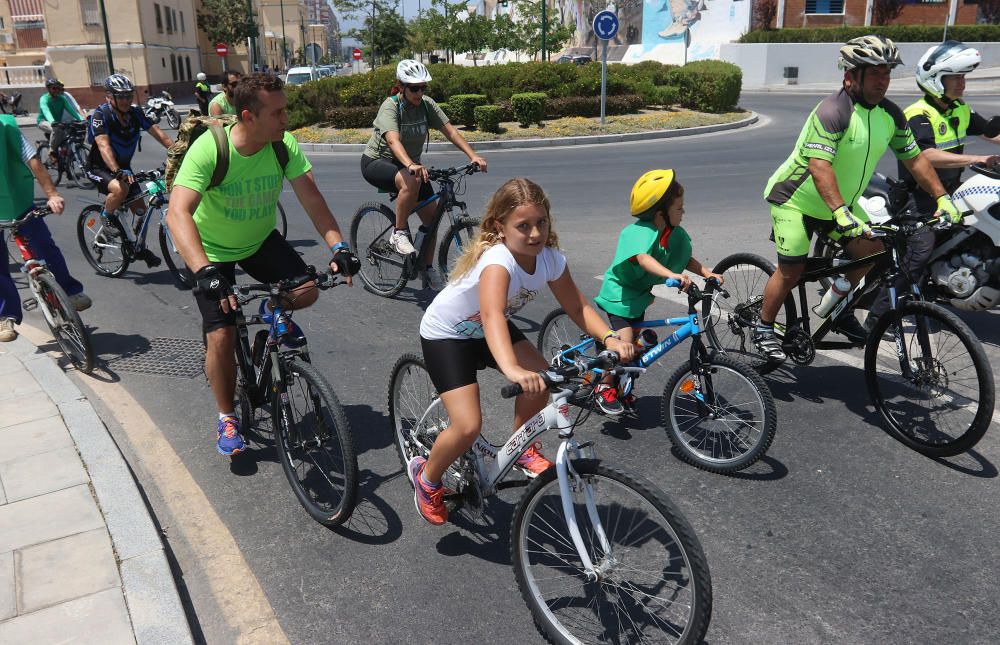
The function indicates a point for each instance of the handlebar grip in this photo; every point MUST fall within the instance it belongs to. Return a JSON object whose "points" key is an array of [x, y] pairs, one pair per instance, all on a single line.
{"points": [[511, 390], [672, 282]]}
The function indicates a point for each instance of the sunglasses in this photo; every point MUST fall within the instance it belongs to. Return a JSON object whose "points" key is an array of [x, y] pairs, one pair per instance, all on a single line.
{"points": [[233, 84], [417, 88], [123, 95]]}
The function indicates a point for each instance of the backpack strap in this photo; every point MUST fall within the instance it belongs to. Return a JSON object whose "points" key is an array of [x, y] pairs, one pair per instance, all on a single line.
{"points": [[281, 152], [221, 154]]}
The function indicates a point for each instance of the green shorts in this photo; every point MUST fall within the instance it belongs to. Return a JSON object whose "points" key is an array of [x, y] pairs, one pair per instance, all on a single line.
{"points": [[794, 229]]}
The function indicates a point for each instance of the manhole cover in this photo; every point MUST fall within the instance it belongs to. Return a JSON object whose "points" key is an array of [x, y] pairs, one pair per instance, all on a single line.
{"points": [[173, 357]]}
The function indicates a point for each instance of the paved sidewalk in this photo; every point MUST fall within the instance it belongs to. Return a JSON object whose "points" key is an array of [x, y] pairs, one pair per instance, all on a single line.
{"points": [[80, 558]]}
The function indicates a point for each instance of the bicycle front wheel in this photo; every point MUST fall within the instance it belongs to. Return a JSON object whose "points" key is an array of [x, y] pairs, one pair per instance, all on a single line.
{"points": [[729, 322], [64, 322], [929, 378], [174, 260], [653, 583], [723, 421], [383, 271], [51, 165], [411, 394], [315, 445], [102, 242], [459, 237]]}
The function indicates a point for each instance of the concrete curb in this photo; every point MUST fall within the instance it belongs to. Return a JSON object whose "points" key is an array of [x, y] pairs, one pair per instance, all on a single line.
{"points": [[151, 595], [516, 144]]}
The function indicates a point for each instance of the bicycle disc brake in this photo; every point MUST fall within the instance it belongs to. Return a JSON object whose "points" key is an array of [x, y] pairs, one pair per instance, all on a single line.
{"points": [[799, 346]]}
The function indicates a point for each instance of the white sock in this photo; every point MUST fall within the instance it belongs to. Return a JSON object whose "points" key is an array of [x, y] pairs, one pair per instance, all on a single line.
{"points": [[226, 414]]}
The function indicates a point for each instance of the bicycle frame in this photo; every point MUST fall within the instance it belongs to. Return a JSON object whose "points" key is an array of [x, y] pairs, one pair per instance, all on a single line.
{"points": [[259, 383], [445, 196], [32, 267], [152, 202]]}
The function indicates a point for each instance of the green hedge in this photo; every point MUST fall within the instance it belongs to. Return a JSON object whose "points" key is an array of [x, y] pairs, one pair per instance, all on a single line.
{"points": [[707, 85], [351, 116], [899, 33], [529, 107], [591, 105], [463, 108], [488, 118]]}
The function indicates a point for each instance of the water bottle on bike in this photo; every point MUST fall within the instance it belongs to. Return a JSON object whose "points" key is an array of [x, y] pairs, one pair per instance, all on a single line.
{"points": [[840, 288]]}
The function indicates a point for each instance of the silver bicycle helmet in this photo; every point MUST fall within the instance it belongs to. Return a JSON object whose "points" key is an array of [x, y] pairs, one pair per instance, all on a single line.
{"points": [[868, 50], [412, 71], [118, 84], [201, 76], [948, 58], [53, 82]]}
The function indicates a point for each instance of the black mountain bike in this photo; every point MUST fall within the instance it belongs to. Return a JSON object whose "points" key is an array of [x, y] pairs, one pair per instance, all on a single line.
{"points": [[926, 372], [71, 157], [312, 436], [385, 272]]}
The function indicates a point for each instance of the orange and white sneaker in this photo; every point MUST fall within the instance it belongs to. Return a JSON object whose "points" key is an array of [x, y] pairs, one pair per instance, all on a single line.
{"points": [[429, 501], [533, 463]]}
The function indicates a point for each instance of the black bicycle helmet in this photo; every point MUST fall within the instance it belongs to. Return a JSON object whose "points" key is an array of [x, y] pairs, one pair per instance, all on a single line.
{"points": [[53, 82], [118, 84]]}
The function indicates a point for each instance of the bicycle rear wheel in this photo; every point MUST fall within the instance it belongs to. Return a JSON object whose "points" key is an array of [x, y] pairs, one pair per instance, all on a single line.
{"points": [[558, 332], [102, 242], [459, 237], [315, 445], [64, 322], [281, 225], [174, 260], [940, 402], [721, 423], [78, 164], [654, 584], [51, 165], [729, 322], [383, 271]]}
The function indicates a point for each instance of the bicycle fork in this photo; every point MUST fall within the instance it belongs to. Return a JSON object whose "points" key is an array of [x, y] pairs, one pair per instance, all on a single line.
{"points": [[570, 481]]}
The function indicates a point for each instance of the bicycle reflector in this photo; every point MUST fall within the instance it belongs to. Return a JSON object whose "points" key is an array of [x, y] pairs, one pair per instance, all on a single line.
{"points": [[687, 387]]}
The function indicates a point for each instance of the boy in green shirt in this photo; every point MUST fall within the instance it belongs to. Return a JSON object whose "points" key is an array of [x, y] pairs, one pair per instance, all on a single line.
{"points": [[650, 250]]}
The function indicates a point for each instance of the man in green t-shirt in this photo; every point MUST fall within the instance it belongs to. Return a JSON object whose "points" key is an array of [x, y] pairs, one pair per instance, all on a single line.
{"points": [[19, 166], [54, 109], [233, 223], [650, 250], [222, 103]]}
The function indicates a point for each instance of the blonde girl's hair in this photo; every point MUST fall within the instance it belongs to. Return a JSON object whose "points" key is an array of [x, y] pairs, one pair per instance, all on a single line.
{"points": [[511, 195]]}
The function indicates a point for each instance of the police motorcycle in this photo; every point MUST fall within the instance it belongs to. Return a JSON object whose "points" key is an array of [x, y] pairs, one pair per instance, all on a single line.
{"points": [[964, 268], [160, 107]]}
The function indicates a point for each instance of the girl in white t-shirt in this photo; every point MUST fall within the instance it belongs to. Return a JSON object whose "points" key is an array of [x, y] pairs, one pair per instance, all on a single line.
{"points": [[466, 329]]}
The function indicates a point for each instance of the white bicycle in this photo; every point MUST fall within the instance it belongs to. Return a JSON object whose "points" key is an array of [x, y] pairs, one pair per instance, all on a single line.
{"points": [[600, 556]]}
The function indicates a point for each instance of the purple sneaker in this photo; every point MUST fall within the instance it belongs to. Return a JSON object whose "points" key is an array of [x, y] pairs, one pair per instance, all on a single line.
{"points": [[230, 441]]}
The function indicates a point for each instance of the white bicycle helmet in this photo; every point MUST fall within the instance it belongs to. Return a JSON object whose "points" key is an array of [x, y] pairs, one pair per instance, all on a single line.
{"points": [[950, 57], [868, 50], [201, 76], [412, 71], [118, 84]]}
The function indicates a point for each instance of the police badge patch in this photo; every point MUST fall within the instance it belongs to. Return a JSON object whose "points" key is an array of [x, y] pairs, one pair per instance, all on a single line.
{"points": [[942, 128]]}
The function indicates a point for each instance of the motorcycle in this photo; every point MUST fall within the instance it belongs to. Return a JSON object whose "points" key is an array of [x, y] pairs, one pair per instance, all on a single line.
{"points": [[160, 107], [11, 104], [964, 268]]}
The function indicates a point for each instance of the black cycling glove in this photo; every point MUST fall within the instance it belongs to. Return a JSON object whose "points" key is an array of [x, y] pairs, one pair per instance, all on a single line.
{"points": [[210, 281], [346, 262]]}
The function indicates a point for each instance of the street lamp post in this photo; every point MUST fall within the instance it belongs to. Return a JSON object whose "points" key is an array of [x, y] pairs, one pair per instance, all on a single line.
{"points": [[374, 14], [284, 40], [544, 27], [107, 39]]}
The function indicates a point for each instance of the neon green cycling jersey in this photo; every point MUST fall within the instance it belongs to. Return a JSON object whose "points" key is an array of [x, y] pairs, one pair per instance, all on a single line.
{"points": [[850, 135]]}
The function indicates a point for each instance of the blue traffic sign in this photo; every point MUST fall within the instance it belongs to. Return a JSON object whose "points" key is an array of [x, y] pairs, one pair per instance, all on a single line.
{"points": [[606, 24]]}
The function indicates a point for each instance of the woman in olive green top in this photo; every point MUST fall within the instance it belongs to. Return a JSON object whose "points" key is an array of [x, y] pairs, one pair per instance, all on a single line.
{"points": [[391, 162]]}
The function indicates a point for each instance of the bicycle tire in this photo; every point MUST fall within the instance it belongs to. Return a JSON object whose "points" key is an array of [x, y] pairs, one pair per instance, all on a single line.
{"points": [[91, 230], [729, 323], [173, 119], [407, 402], [735, 436], [461, 235], [339, 473], [82, 179], [681, 558], [558, 331], [372, 248], [281, 225], [183, 275], [64, 322], [937, 378], [51, 167]]}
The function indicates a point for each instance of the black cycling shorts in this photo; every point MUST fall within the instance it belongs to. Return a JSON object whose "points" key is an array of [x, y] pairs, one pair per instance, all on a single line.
{"points": [[453, 363], [102, 177], [381, 173], [274, 260]]}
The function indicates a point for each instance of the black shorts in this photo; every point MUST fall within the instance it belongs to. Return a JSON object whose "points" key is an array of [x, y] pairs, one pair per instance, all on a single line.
{"points": [[618, 322], [453, 363], [274, 260], [381, 173], [102, 177]]}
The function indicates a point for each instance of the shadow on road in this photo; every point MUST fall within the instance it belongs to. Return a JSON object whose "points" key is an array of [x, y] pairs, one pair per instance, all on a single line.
{"points": [[485, 536], [373, 520], [369, 428]]}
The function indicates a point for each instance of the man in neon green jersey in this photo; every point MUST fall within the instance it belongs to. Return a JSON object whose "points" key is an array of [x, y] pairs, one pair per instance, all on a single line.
{"points": [[817, 187], [217, 227], [222, 103]]}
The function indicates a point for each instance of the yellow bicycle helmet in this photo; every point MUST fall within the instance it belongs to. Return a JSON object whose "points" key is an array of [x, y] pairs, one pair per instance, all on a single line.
{"points": [[649, 189]]}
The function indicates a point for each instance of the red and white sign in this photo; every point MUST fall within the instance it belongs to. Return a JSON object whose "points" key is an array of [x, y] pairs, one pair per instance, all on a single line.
{"points": [[356, 54], [221, 49]]}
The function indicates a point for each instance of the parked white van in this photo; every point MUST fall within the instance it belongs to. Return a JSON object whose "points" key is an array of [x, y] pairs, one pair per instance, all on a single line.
{"points": [[300, 75]]}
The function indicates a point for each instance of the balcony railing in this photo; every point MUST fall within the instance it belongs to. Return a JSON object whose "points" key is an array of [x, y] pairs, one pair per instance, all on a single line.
{"points": [[23, 76]]}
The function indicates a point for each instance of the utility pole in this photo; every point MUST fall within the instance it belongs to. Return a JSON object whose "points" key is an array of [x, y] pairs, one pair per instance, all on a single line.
{"points": [[374, 14], [284, 40], [544, 27], [107, 39]]}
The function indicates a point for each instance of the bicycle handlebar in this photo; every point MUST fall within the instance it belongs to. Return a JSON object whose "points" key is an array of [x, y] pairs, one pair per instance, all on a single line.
{"points": [[148, 175], [694, 293], [557, 376], [246, 292], [442, 173], [40, 211]]}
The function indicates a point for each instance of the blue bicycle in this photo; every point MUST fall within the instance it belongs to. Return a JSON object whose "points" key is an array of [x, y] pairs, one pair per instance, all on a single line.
{"points": [[719, 413]]}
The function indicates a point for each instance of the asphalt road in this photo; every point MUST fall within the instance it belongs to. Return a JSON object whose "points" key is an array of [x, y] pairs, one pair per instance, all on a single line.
{"points": [[840, 534]]}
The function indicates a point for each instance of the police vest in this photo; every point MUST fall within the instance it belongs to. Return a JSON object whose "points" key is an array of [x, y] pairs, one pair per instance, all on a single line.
{"points": [[950, 127]]}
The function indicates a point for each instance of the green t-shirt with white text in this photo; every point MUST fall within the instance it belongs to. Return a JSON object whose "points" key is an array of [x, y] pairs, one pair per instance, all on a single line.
{"points": [[627, 287], [235, 217]]}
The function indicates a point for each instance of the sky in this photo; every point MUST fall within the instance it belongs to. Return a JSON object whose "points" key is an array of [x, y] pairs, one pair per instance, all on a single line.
{"points": [[408, 7]]}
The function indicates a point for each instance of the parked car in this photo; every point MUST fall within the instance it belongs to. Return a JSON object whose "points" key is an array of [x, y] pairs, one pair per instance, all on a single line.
{"points": [[300, 75], [578, 59]]}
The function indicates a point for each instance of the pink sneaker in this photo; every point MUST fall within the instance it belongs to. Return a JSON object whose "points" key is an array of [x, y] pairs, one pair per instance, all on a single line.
{"points": [[533, 463]]}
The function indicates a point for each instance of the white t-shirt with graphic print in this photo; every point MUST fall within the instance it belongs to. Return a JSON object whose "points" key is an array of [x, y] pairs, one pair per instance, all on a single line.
{"points": [[455, 312]]}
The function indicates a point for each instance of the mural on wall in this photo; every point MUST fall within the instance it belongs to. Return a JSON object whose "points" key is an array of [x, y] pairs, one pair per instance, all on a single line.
{"points": [[670, 31]]}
